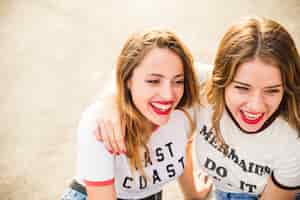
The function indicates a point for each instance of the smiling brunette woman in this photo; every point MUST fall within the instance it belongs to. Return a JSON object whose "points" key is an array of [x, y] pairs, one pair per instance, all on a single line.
{"points": [[248, 133]]}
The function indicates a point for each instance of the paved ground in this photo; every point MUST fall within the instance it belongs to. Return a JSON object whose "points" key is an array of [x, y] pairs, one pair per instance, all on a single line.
{"points": [[56, 57]]}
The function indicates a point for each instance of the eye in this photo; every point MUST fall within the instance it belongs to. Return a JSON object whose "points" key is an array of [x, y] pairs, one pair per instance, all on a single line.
{"points": [[180, 81], [153, 81], [242, 88], [272, 91]]}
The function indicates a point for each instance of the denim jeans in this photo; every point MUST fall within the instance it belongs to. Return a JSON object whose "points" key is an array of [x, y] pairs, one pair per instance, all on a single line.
{"points": [[220, 195], [71, 194], [298, 196]]}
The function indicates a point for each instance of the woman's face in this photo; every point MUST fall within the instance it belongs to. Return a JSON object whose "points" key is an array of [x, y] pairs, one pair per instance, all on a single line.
{"points": [[254, 94], [157, 85]]}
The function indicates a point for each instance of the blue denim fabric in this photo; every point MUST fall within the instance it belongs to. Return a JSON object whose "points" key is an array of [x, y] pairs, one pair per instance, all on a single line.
{"points": [[71, 194], [239, 196], [220, 195], [298, 196]]}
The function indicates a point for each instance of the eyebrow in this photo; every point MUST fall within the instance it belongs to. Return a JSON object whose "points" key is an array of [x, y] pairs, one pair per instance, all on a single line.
{"points": [[160, 75], [248, 85]]}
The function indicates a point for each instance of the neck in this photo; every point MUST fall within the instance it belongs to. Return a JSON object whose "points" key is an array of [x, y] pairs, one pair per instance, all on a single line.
{"points": [[267, 123]]}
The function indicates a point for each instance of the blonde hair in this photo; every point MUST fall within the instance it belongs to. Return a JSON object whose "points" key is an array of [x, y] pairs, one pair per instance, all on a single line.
{"points": [[256, 38], [136, 126]]}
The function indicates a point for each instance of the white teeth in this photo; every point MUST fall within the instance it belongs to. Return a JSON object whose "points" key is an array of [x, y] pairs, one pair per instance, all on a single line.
{"points": [[251, 115], [161, 106]]}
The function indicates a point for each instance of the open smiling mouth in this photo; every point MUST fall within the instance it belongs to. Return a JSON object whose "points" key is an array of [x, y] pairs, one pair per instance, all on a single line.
{"points": [[162, 108], [251, 118]]}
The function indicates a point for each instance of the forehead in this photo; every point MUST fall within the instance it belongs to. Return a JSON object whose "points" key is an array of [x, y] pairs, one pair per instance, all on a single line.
{"points": [[258, 72], [160, 60]]}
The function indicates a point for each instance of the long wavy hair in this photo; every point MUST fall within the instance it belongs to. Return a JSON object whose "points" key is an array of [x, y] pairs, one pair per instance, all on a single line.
{"points": [[136, 126], [256, 38]]}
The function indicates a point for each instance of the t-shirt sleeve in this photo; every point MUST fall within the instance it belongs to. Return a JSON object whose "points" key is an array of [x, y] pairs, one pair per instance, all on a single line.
{"points": [[94, 162], [286, 173]]}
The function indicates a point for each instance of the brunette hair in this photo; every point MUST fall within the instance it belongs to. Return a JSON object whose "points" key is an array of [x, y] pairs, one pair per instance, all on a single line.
{"points": [[245, 41]]}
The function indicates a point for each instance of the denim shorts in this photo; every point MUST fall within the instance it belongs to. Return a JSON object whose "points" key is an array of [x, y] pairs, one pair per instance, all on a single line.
{"points": [[77, 192]]}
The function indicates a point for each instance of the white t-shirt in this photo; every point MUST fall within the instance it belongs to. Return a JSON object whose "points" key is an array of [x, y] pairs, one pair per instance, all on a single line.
{"points": [[252, 158], [96, 166]]}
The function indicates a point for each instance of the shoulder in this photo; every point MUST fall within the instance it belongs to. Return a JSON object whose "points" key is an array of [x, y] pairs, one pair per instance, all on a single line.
{"points": [[89, 121], [286, 132], [93, 159], [88, 118], [104, 108], [286, 173]]}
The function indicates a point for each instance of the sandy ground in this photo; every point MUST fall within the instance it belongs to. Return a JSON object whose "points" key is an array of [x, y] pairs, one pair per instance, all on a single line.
{"points": [[56, 57]]}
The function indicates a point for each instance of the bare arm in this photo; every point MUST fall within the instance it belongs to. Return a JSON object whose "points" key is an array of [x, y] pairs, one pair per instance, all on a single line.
{"points": [[187, 179], [101, 192], [274, 192]]}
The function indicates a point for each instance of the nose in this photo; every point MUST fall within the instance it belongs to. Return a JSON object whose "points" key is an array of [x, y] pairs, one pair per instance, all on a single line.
{"points": [[256, 102], [167, 91]]}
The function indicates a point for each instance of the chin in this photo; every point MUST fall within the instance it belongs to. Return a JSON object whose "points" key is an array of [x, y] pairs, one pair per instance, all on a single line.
{"points": [[161, 122], [251, 128]]}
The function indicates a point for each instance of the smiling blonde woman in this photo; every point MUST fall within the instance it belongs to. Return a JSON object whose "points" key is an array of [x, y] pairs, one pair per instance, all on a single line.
{"points": [[155, 80]]}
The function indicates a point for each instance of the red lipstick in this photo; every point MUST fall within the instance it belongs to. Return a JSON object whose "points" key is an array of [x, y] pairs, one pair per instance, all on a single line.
{"points": [[251, 121], [163, 102], [160, 111]]}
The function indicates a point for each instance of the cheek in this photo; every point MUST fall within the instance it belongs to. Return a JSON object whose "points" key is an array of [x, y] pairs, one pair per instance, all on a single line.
{"points": [[233, 100], [139, 97], [274, 102], [140, 103]]}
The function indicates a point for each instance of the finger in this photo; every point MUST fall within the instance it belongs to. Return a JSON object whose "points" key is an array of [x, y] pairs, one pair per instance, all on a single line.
{"points": [[209, 184], [191, 139], [113, 141], [105, 137], [97, 132], [119, 136], [205, 180], [202, 174]]}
